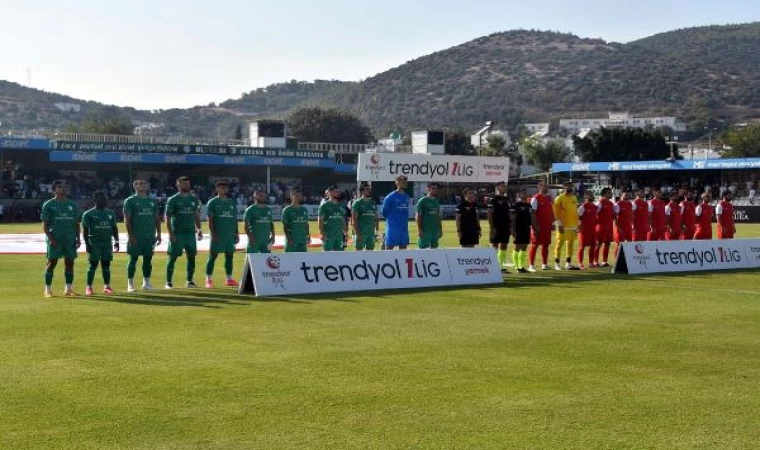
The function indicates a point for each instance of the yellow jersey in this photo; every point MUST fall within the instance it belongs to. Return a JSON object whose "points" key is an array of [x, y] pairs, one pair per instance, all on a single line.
{"points": [[566, 211]]}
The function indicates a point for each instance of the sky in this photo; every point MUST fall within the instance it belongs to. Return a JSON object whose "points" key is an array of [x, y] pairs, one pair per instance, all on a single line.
{"points": [[177, 54]]}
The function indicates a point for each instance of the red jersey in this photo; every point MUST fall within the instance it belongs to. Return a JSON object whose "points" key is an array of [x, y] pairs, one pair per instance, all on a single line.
{"points": [[704, 213], [543, 209], [725, 214], [689, 219], [674, 214], [640, 220], [605, 220], [624, 223], [658, 219], [588, 214]]}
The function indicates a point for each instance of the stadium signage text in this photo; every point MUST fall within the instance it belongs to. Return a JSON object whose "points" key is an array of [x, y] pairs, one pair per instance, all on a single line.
{"points": [[615, 166], [131, 147], [158, 158], [13, 143], [329, 272], [688, 256], [439, 168]]}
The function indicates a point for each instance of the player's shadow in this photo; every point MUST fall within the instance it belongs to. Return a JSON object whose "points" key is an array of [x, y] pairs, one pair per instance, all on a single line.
{"points": [[151, 300]]}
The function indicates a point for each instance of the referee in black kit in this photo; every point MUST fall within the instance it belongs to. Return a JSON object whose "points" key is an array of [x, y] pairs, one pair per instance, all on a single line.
{"points": [[499, 222], [522, 218]]}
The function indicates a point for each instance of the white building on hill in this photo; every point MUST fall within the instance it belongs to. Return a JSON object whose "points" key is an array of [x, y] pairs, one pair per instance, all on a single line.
{"points": [[622, 120]]}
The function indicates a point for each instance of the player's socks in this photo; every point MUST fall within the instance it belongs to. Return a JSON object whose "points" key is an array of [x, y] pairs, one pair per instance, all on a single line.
{"points": [[68, 287], [190, 268], [502, 256], [91, 272], [170, 269], [606, 253], [515, 258], [210, 264], [131, 285], [580, 256], [545, 254], [228, 265], [590, 253], [146, 284], [532, 255], [48, 278], [132, 266], [523, 259], [106, 267], [147, 266], [69, 277]]}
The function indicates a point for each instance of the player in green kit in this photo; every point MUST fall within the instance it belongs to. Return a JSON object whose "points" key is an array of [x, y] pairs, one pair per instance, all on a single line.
{"points": [[183, 222], [332, 222], [259, 225], [143, 220], [223, 226], [429, 227], [295, 221], [100, 232], [60, 223], [364, 220]]}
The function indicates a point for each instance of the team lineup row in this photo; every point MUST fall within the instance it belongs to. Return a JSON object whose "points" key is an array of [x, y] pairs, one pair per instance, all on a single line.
{"points": [[595, 224]]}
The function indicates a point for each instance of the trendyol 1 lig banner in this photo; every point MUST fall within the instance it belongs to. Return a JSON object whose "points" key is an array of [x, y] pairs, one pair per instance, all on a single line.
{"points": [[688, 256], [436, 168], [328, 272]]}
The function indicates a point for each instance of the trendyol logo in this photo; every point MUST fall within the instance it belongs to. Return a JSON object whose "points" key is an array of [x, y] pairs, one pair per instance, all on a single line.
{"points": [[273, 262], [408, 268], [715, 255], [375, 159], [475, 266], [431, 170], [639, 249], [276, 276], [374, 167]]}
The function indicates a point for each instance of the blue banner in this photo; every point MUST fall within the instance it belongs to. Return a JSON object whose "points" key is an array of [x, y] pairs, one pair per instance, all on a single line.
{"points": [[157, 158], [345, 168], [13, 143], [697, 164]]}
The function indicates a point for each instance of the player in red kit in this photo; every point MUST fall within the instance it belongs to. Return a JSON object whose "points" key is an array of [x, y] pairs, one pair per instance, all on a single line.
{"points": [[604, 227], [657, 219], [724, 212], [623, 221], [587, 213], [673, 215], [689, 217], [704, 213], [640, 210], [541, 231]]}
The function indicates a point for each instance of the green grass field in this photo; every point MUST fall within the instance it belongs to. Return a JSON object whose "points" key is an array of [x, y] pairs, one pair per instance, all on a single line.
{"points": [[552, 360]]}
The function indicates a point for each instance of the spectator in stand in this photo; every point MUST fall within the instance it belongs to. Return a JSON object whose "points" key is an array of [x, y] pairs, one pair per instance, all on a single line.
{"points": [[751, 195]]}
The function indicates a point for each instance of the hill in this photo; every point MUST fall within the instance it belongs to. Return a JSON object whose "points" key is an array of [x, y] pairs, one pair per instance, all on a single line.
{"points": [[510, 77]]}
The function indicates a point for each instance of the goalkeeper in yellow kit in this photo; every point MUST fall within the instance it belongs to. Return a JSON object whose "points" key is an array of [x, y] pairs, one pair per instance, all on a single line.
{"points": [[566, 214]]}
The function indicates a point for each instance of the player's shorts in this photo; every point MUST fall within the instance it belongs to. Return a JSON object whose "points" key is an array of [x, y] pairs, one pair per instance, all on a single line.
{"points": [[333, 244], [295, 247], [183, 243], [604, 235], [367, 241], [258, 248], [567, 236], [623, 234], [396, 239], [640, 235], [725, 233], [586, 239], [223, 245], [522, 236], [427, 240], [542, 238], [672, 236], [65, 249], [101, 252], [143, 246], [500, 234], [469, 239], [688, 234], [656, 235]]}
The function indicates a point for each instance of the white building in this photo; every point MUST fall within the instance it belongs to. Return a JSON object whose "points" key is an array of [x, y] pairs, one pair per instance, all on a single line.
{"points": [[621, 120], [150, 129], [537, 128], [480, 138], [68, 107]]}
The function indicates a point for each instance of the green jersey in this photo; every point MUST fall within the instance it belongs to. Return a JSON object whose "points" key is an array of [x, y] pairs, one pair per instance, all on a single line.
{"points": [[143, 212], [62, 217], [429, 209], [295, 220], [333, 219], [182, 210], [366, 215], [99, 224], [258, 222], [223, 211]]}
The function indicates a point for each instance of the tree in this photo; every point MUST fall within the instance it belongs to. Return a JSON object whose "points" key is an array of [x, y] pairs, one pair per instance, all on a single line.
{"points": [[743, 142], [239, 132], [543, 153], [458, 143], [623, 144], [328, 125], [104, 125], [496, 145]]}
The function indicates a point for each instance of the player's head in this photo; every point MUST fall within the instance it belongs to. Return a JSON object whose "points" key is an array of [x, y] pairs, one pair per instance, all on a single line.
{"points": [[568, 187], [222, 188], [141, 186], [640, 193], [625, 195], [606, 193], [401, 182], [260, 197], [59, 188], [432, 189], [706, 197], [727, 195], [100, 199], [469, 194], [543, 187], [183, 184], [674, 196], [588, 195], [295, 197], [500, 188], [333, 193], [683, 191], [657, 192], [366, 191], [521, 194]]}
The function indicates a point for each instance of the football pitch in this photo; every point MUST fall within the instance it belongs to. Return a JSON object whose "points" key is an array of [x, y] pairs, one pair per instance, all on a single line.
{"points": [[551, 360]]}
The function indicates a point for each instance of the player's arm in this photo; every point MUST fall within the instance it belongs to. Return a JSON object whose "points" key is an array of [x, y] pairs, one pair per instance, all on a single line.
{"points": [[158, 226], [650, 209], [387, 206], [168, 217], [211, 223], [78, 221], [321, 222], [489, 216], [581, 212], [198, 228], [46, 223], [271, 232], [237, 228], [115, 234], [458, 220], [418, 216], [533, 215], [85, 233], [128, 222], [286, 226], [557, 209]]}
